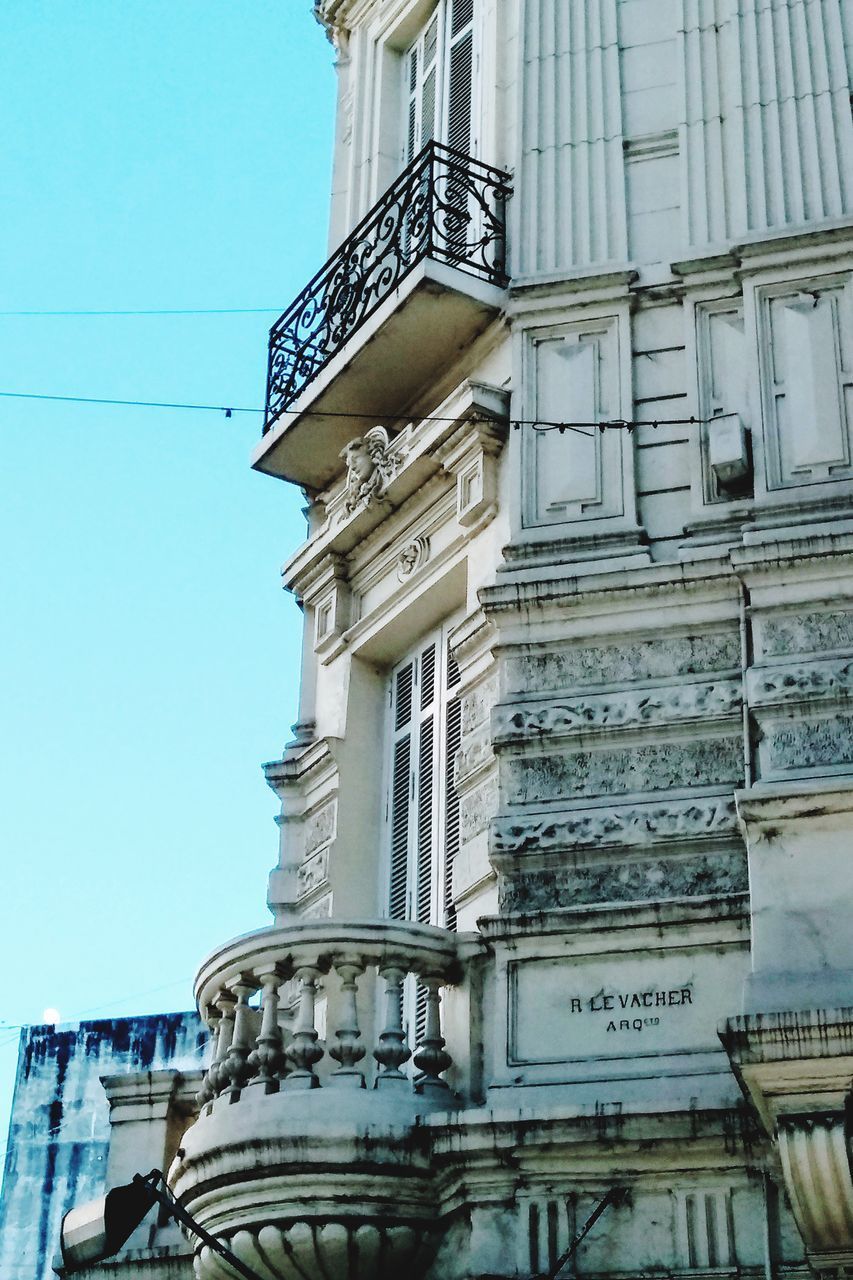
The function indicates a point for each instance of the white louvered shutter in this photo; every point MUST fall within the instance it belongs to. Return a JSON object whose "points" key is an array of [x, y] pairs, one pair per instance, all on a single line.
{"points": [[439, 88], [423, 808], [459, 95], [423, 66], [400, 793], [450, 822]]}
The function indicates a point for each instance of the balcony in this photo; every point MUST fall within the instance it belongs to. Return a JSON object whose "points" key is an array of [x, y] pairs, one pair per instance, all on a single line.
{"points": [[298, 1165], [416, 281]]}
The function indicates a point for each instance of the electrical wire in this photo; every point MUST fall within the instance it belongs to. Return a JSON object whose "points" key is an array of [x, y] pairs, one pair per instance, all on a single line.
{"points": [[162, 311], [538, 424]]}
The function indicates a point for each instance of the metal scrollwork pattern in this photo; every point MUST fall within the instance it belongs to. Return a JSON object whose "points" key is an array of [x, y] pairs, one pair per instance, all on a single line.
{"points": [[444, 206]]}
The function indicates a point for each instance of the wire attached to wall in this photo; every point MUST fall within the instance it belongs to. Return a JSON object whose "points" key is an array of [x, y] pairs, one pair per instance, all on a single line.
{"points": [[537, 424]]}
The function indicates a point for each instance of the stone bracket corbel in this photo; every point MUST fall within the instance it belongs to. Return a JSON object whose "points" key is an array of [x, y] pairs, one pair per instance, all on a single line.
{"points": [[797, 1070], [815, 1159]]}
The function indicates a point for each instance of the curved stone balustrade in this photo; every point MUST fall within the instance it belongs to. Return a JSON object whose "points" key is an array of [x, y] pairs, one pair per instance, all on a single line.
{"points": [[334, 1181], [250, 1045]]}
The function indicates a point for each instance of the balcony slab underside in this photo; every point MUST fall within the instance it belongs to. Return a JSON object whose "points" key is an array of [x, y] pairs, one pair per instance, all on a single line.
{"points": [[412, 338]]}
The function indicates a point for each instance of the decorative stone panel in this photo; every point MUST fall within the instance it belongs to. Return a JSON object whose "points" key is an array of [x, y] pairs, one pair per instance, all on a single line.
{"points": [[786, 635], [807, 376], [792, 748], [618, 710], [717, 873], [705, 1228], [478, 808], [659, 766], [631, 825], [801, 682], [612, 662]]}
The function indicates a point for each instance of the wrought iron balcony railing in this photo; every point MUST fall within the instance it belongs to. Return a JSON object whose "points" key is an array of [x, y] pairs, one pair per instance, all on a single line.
{"points": [[444, 206]]}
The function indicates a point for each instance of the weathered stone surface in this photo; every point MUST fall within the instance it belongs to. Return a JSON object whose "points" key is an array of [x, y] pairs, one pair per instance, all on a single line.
{"points": [[477, 704], [59, 1131], [613, 663], [805, 633], [313, 872], [802, 681], [475, 752], [650, 767], [623, 825], [320, 827], [624, 710], [476, 813], [807, 744], [716, 873]]}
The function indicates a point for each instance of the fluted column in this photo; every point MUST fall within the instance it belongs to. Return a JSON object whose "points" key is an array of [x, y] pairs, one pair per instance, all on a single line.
{"points": [[570, 206], [767, 135]]}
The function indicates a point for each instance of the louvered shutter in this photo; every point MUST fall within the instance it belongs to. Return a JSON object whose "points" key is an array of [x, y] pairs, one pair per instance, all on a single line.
{"points": [[452, 742], [426, 787], [423, 806], [423, 74], [400, 796], [439, 81], [460, 76]]}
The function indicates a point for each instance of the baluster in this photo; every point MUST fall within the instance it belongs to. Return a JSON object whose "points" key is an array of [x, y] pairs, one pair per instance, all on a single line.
{"points": [[431, 1057], [207, 1092], [235, 1071], [303, 1050], [225, 1003], [392, 1050], [268, 1060], [349, 1050]]}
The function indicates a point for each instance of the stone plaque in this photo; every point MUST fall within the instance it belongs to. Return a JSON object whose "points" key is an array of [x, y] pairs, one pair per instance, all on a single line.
{"points": [[621, 1006]]}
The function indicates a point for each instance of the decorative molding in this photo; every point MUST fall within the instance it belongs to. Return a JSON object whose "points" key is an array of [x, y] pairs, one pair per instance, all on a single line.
{"points": [[704, 1228], [477, 703], [769, 686], [471, 455], [816, 1165], [578, 175], [655, 766], [372, 461], [313, 872], [320, 909], [478, 810], [622, 710], [320, 827], [735, 98], [796, 1068], [800, 633], [809, 744], [637, 824], [619, 662], [413, 555], [562, 885], [473, 757]]}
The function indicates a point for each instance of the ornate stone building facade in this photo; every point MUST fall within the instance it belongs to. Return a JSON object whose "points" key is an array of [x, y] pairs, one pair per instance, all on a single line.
{"points": [[562, 907]]}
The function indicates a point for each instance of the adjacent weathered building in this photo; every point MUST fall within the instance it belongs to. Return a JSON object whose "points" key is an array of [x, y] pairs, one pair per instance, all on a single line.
{"points": [[564, 890]]}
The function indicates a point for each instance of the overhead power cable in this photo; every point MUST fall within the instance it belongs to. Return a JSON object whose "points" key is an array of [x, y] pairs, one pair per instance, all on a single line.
{"points": [[538, 424], [159, 311], [135, 404]]}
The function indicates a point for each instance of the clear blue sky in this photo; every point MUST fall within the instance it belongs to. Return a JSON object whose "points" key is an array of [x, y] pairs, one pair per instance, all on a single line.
{"points": [[156, 154]]}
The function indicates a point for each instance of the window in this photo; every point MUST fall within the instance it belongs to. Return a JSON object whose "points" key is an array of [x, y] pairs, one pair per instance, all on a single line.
{"points": [[423, 807], [439, 81]]}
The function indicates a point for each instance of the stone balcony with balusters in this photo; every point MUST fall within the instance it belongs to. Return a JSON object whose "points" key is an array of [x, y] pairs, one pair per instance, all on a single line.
{"points": [[308, 1152]]}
